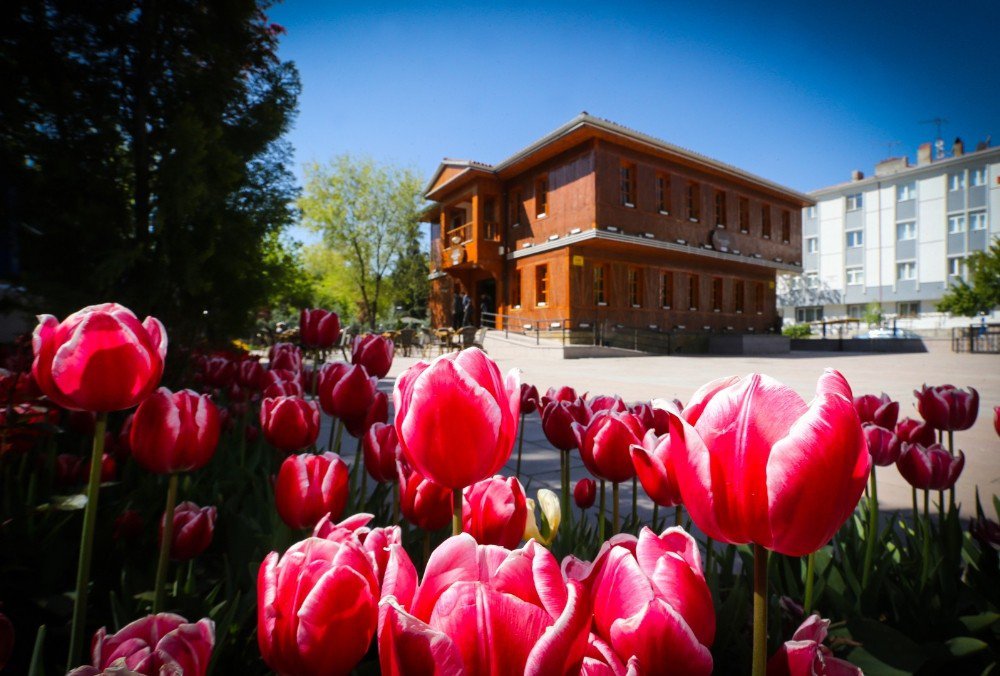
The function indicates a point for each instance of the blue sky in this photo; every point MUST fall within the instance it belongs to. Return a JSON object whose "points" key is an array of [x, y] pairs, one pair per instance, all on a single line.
{"points": [[800, 93]]}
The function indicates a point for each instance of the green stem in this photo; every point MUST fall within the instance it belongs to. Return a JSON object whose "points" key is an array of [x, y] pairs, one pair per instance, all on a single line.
{"points": [[35, 667], [656, 514], [87, 543], [810, 575], [916, 512], [759, 610], [336, 440], [678, 514], [159, 591], [600, 516], [951, 450], [872, 533], [520, 445], [615, 524], [564, 499], [329, 440], [926, 549], [456, 519]]}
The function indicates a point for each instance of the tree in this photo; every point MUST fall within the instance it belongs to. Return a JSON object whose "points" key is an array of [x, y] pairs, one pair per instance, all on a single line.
{"points": [[367, 212], [983, 295]]}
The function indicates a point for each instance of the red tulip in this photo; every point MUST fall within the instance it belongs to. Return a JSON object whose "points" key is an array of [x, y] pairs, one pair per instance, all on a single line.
{"points": [[494, 511], [603, 402], [218, 372], [761, 466], [914, 432], [564, 393], [309, 487], [128, 525], [285, 356], [374, 542], [193, 530], [346, 391], [381, 446], [319, 328], [930, 468], [374, 353], [156, 644], [308, 378], [806, 654], [996, 419], [529, 399], [17, 387], [651, 418], [655, 470], [174, 432], [99, 358], [378, 412], [558, 418], [317, 608], [250, 374], [425, 504], [22, 426], [109, 468], [880, 410], [883, 445], [651, 601], [945, 407], [289, 423], [605, 442], [457, 417], [584, 493], [485, 610], [283, 388]]}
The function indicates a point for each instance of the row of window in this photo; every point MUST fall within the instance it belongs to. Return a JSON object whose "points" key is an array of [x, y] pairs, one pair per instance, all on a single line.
{"points": [[906, 308], [905, 271], [907, 230], [908, 191]]}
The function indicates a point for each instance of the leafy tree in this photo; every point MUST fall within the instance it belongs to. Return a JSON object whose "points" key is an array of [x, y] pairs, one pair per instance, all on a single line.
{"points": [[411, 287], [368, 213], [983, 294], [873, 314], [330, 279]]}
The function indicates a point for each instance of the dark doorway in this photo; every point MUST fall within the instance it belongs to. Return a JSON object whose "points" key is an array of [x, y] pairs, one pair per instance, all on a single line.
{"points": [[486, 300]]}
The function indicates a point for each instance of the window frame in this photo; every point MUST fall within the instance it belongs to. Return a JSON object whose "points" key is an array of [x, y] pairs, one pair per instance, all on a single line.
{"points": [[855, 202], [959, 219], [694, 292], [666, 289], [626, 184], [599, 285], [812, 244], [956, 181], [912, 223], [720, 209], [907, 313], [977, 177], [906, 192], [663, 201], [765, 221], [906, 265], [542, 285], [859, 276], [786, 226], [542, 190], [739, 296], [694, 201], [718, 294], [516, 298], [635, 286], [858, 235], [515, 206], [961, 265], [759, 297], [976, 220], [743, 213]]}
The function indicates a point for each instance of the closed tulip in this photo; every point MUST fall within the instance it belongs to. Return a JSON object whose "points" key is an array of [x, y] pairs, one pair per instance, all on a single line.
{"points": [[529, 399], [651, 417], [193, 530], [250, 374], [655, 470], [564, 393], [485, 610], [381, 447], [930, 468], [883, 445], [946, 407], [457, 417], [558, 418], [156, 644], [289, 423], [494, 511], [99, 358], [759, 465], [551, 513], [425, 504], [174, 432], [374, 353], [219, 372], [346, 391], [603, 402], [806, 654], [317, 608], [584, 493], [913, 431], [605, 442], [880, 410], [378, 412], [319, 329], [309, 487], [374, 542], [285, 357]]}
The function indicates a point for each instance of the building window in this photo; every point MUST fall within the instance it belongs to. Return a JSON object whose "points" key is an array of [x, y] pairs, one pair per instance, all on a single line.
{"points": [[666, 290], [906, 191], [855, 275], [541, 285], [978, 176], [694, 292], [906, 271], [906, 230], [786, 226], [857, 311], [765, 221], [628, 184], [743, 208], [663, 193], [514, 209], [910, 308], [855, 239], [635, 287], [542, 196], [811, 212], [758, 298], [600, 281], [808, 314], [956, 181], [855, 202], [956, 224], [694, 201], [812, 280], [956, 267], [515, 289], [812, 245], [720, 208], [977, 220], [717, 294], [739, 296]]}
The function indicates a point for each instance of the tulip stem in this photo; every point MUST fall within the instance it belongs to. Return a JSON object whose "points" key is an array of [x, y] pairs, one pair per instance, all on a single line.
{"points": [[916, 512], [456, 519], [336, 439], [872, 533], [600, 516], [810, 576], [567, 523], [656, 514], [951, 451], [926, 549], [614, 508], [87, 542], [520, 445], [159, 592], [678, 515], [759, 610]]}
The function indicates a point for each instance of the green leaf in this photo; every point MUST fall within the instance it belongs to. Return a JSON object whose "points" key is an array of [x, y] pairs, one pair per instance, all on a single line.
{"points": [[870, 664], [887, 644], [977, 623], [963, 646]]}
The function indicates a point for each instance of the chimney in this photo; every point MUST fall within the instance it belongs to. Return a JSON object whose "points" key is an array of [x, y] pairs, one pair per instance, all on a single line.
{"points": [[857, 175], [924, 154], [891, 166], [957, 148]]}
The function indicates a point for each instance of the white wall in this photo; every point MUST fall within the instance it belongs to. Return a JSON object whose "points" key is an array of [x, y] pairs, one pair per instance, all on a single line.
{"points": [[932, 258], [831, 243]]}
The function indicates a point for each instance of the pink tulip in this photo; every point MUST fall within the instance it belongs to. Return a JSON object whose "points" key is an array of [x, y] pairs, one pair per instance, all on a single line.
{"points": [[605, 442], [558, 418], [156, 644], [250, 374], [654, 468], [494, 511], [423, 503], [483, 610], [374, 353], [289, 423], [218, 372], [883, 445], [806, 654], [603, 402], [174, 431], [193, 530], [346, 391], [564, 393], [457, 417], [929, 467], [99, 358], [945, 407], [319, 328], [880, 410], [914, 432], [652, 417], [759, 465], [317, 608], [381, 447], [378, 412], [529, 399], [285, 356], [309, 487], [374, 542], [584, 493]]}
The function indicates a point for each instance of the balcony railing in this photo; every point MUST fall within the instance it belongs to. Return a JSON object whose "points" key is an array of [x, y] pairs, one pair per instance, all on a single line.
{"points": [[463, 232]]}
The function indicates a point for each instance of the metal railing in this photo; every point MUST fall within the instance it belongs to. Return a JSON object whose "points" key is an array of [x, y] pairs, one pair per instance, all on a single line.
{"points": [[976, 338], [548, 328]]}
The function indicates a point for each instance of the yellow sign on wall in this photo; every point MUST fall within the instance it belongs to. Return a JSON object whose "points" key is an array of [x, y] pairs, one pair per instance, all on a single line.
{"points": [[578, 261]]}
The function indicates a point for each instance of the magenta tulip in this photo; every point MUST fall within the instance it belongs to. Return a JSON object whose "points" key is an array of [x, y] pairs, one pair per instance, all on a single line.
{"points": [[564, 393], [99, 358], [494, 511], [423, 503], [218, 372], [913, 431], [654, 468], [759, 465], [652, 417], [945, 407], [193, 530], [605, 442], [156, 644], [346, 391], [309, 487], [806, 654], [996, 419], [457, 417], [374, 353], [930, 468], [529, 399], [603, 402], [174, 432], [250, 374], [285, 357], [558, 418], [883, 445], [381, 446], [378, 412], [317, 608], [880, 410], [289, 423], [374, 542], [319, 329], [584, 493]]}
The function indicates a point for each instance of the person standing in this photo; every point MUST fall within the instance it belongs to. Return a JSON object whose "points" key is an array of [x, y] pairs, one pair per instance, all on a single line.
{"points": [[457, 310], [466, 309]]}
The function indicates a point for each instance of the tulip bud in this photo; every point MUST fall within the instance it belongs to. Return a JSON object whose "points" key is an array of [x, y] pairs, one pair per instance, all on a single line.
{"points": [[605, 442], [374, 353], [564, 393], [603, 402], [881, 410], [558, 418], [381, 446], [289, 423], [551, 517], [309, 487], [319, 329], [193, 530], [494, 511], [931, 467], [584, 493], [174, 432], [529, 399], [914, 432], [805, 653], [285, 356], [346, 391], [945, 407], [422, 502], [883, 445]]}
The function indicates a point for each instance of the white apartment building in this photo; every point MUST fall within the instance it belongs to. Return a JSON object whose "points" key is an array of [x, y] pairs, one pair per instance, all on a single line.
{"points": [[898, 238]]}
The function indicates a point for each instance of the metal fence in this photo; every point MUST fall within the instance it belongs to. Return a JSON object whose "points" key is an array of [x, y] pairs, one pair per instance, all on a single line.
{"points": [[978, 338]]}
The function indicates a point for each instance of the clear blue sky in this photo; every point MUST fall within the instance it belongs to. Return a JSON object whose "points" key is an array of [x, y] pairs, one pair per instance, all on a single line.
{"points": [[801, 94]]}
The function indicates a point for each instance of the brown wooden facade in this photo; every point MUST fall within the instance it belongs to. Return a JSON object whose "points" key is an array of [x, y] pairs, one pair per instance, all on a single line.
{"points": [[598, 223]]}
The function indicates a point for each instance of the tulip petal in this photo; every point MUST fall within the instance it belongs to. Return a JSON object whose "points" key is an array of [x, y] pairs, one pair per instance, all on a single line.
{"points": [[561, 648], [452, 561], [337, 621], [661, 641], [620, 589], [407, 645], [699, 400]]}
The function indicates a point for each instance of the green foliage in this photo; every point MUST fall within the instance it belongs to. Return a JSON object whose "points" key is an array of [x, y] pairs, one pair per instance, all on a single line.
{"points": [[968, 300], [330, 276], [873, 314], [797, 331]]}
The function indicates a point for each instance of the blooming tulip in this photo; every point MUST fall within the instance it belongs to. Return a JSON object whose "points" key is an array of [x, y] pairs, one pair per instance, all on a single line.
{"points": [[218, 372], [319, 329], [425, 504], [652, 417], [759, 465], [381, 446], [375, 542], [193, 530], [806, 654], [945, 407], [564, 393], [374, 353], [156, 644], [378, 412], [346, 391], [285, 356], [584, 493], [494, 511], [913, 431], [289, 423], [529, 399], [604, 444], [558, 417], [310, 486], [603, 402], [457, 417], [929, 467], [174, 432], [99, 358], [316, 607], [653, 465], [880, 410], [883, 445], [548, 502], [250, 374]]}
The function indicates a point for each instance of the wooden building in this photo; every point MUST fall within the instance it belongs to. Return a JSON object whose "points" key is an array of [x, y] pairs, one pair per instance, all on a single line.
{"points": [[597, 223]]}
